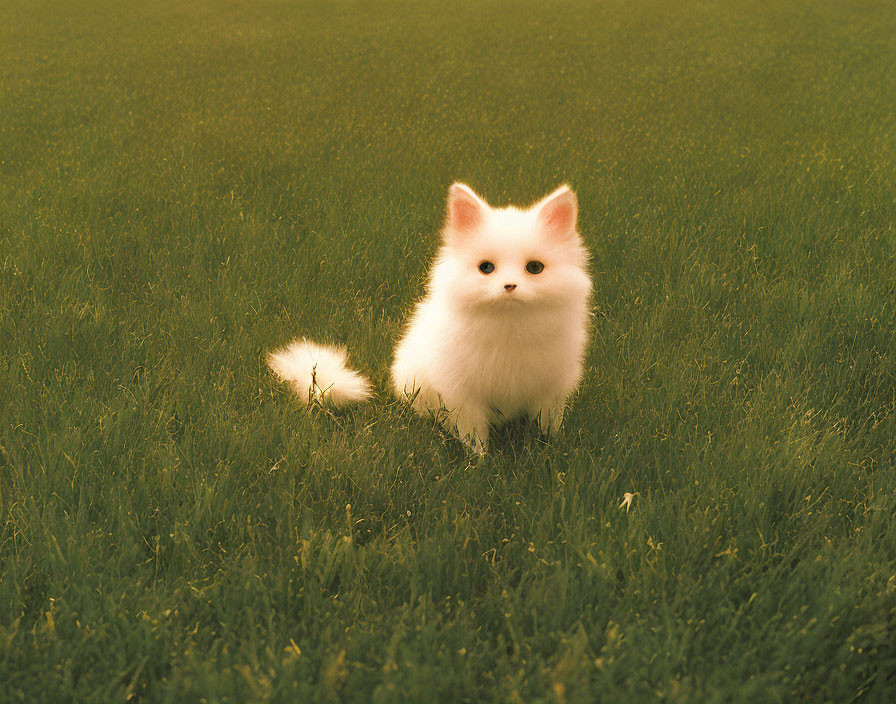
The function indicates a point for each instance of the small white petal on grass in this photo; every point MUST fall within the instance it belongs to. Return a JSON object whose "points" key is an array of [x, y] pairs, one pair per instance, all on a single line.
{"points": [[627, 498]]}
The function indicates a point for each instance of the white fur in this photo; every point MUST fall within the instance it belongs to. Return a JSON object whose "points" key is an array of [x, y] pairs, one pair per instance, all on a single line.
{"points": [[319, 372], [478, 354]]}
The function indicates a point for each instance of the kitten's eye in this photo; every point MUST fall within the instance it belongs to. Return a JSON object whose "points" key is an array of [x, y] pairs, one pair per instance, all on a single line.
{"points": [[486, 267], [534, 267]]}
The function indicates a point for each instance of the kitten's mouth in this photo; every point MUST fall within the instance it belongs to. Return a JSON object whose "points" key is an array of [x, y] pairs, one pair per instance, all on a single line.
{"points": [[507, 298]]}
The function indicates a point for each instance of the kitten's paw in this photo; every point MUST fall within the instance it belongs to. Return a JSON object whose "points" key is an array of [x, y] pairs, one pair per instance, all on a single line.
{"points": [[472, 429], [474, 442], [475, 449], [550, 418]]}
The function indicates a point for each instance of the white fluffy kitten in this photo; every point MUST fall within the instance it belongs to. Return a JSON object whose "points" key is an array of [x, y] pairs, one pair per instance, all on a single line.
{"points": [[502, 330]]}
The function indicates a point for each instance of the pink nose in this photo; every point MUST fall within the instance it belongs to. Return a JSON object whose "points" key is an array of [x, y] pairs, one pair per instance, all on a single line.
{"points": [[509, 287]]}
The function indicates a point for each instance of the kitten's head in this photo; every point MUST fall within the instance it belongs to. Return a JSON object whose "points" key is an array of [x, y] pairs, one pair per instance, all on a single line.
{"points": [[511, 258]]}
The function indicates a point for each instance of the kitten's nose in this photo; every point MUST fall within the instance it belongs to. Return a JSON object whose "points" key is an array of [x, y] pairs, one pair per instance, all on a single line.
{"points": [[509, 287]]}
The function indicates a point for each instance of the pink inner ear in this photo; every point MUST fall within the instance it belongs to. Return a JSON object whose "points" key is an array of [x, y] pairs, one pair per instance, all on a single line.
{"points": [[559, 211], [560, 217], [464, 209], [465, 214]]}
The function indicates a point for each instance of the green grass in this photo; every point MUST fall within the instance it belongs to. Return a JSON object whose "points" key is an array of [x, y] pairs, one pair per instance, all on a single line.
{"points": [[185, 185]]}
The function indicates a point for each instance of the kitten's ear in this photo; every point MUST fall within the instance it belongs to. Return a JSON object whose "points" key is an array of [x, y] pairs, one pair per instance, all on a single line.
{"points": [[466, 210], [557, 213]]}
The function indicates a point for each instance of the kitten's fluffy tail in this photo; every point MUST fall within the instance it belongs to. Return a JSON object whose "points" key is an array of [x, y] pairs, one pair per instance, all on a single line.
{"points": [[319, 372]]}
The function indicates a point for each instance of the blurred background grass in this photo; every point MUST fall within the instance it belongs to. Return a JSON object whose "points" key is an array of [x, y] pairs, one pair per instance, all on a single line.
{"points": [[184, 186]]}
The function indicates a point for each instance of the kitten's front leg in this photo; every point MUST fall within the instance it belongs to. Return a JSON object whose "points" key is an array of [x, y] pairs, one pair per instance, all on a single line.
{"points": [[550, 417], [471, 426]]}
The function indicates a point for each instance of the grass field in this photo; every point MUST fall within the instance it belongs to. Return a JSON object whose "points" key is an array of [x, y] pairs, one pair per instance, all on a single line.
{"points": [[186, 185]]}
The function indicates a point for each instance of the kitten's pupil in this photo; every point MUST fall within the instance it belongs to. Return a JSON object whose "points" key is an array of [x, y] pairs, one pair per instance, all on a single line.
{"points": [[486, 267], [534, 267]]}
